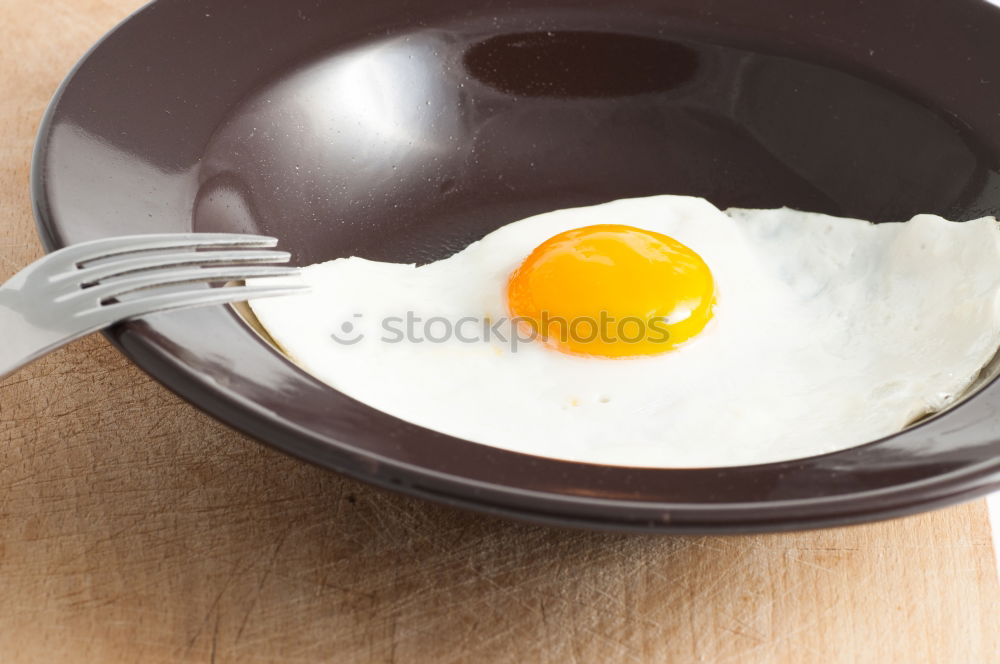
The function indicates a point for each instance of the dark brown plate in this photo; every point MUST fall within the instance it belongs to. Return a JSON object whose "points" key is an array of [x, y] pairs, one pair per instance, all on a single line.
{"points": [[402, 131]]}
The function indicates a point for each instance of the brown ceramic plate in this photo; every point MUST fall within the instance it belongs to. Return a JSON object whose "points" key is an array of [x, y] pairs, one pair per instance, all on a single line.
{"points": [[402, 131]]}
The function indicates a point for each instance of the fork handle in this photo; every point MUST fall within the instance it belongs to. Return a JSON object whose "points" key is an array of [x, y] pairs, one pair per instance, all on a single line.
{"points": [[24, 341]]}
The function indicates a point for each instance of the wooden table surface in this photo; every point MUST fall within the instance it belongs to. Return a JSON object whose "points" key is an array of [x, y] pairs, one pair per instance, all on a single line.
{"points": [[133, 528]]}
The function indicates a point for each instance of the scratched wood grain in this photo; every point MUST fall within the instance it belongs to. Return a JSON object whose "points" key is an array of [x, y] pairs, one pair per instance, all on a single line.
{"points": [[135, 529]]}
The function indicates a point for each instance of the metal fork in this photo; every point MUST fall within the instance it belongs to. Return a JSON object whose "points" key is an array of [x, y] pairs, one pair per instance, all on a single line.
{"points": [[85, 287]]}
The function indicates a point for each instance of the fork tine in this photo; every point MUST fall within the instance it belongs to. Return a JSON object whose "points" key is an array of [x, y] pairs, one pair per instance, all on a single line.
{"points": [[153, 261], [69, 257], [192, 297], [156, 278]]}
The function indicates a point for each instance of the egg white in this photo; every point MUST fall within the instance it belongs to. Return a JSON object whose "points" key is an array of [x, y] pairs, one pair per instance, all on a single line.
{"points": [[828, 333]]}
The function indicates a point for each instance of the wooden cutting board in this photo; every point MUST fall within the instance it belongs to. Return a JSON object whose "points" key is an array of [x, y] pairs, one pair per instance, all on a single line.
{"points": [[134, 528]]}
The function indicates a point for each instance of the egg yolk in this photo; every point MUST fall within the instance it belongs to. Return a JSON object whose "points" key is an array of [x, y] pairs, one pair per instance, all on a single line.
{"points": [[612, 291]]}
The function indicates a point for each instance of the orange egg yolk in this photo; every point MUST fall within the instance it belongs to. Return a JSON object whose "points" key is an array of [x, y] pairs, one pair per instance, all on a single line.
{"points": [[612, 291]]}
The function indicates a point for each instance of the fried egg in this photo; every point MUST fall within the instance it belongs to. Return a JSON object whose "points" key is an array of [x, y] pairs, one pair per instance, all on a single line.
{"points": [[749, 336]]}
